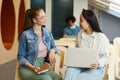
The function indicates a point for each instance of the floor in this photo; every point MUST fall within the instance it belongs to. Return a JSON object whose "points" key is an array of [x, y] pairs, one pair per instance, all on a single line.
{"points": [[7, 70]]}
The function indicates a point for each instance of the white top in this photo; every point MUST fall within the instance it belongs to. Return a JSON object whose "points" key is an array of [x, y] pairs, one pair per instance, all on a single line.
{"points": [[98, 41], [72, 27]]}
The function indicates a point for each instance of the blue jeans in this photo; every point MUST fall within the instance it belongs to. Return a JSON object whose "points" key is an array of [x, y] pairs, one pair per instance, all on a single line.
{"points": [[84, 74]]}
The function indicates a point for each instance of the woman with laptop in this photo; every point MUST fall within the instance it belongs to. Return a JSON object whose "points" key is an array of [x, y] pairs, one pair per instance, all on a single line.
{"points": [[90, 37]]}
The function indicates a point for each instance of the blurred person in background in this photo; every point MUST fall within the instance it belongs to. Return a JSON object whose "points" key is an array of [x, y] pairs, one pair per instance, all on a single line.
{"points": [[71, 29]]}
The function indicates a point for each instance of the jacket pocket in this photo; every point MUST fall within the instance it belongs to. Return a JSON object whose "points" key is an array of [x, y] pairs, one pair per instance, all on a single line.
{"points": [[30, 44]]}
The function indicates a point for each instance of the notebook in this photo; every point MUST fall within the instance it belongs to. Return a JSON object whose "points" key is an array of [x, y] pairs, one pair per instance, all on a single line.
{"points": [[43, 68], [81, 57]]}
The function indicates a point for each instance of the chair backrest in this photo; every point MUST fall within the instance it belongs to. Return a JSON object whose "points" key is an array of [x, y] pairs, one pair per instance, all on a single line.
{"points": [[117, 56], [62, 67], [62, 54]]}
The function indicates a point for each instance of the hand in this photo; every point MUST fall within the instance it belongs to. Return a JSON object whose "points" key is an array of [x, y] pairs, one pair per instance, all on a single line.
{"points": [[36, 69], [94, 66], [52, 56]]}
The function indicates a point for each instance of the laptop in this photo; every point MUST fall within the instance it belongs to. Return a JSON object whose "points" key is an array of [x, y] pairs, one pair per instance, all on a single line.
{"points": [[81, 57]]}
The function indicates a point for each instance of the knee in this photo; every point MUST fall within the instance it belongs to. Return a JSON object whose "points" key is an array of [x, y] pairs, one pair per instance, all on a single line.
{"points": [[48, 77], [71, 70], [43, 77], [27, 76]]}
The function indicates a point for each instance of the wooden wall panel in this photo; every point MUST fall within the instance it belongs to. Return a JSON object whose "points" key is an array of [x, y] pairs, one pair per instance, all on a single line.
{"points": [[7, 23], [21, 16], [11, 23]]}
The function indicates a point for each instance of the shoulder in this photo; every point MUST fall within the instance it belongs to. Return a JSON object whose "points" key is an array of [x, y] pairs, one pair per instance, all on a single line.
{"points": [[77, 26], [25, 32], [45, 29], [23, 35], [102, 37], [67, 29]]}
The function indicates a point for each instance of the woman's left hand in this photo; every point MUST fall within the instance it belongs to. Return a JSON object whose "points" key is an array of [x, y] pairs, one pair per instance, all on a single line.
{"points": [[94, 66], [52, 56]]}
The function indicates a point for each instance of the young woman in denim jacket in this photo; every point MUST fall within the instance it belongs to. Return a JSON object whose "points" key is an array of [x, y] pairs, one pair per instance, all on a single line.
{"points": [[36, 46], [90, 37]]}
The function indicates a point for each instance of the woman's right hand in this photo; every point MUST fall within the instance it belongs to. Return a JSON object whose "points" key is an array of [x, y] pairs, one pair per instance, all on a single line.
{"points": [[36, 69], [94, 66]]}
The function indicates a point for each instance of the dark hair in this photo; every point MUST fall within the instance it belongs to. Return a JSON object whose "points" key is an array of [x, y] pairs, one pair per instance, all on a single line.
{"points": [[29, 16], [72, 18], [90, 17]]}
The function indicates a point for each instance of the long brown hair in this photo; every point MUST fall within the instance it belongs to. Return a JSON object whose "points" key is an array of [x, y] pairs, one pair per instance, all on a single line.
{"points": [[30, 14]]}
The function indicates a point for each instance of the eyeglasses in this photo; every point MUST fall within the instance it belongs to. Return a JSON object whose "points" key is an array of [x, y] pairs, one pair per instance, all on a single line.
{"points": [[43, 17]]}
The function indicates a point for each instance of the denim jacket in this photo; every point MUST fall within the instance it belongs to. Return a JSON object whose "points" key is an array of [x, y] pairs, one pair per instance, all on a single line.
{"points": [[28, 45]]}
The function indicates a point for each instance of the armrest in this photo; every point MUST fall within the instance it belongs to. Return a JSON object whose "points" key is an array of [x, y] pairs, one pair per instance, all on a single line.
{"points": [[57, 64], [17, 77]]}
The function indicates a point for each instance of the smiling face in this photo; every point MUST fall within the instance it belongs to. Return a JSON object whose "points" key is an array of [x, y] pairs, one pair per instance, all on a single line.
{"points": [[40, 19], [84, 24]]}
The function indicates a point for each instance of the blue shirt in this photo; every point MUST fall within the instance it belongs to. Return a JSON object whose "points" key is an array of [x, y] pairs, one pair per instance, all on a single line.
{"points": [[28, 45], [72, 31]]}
